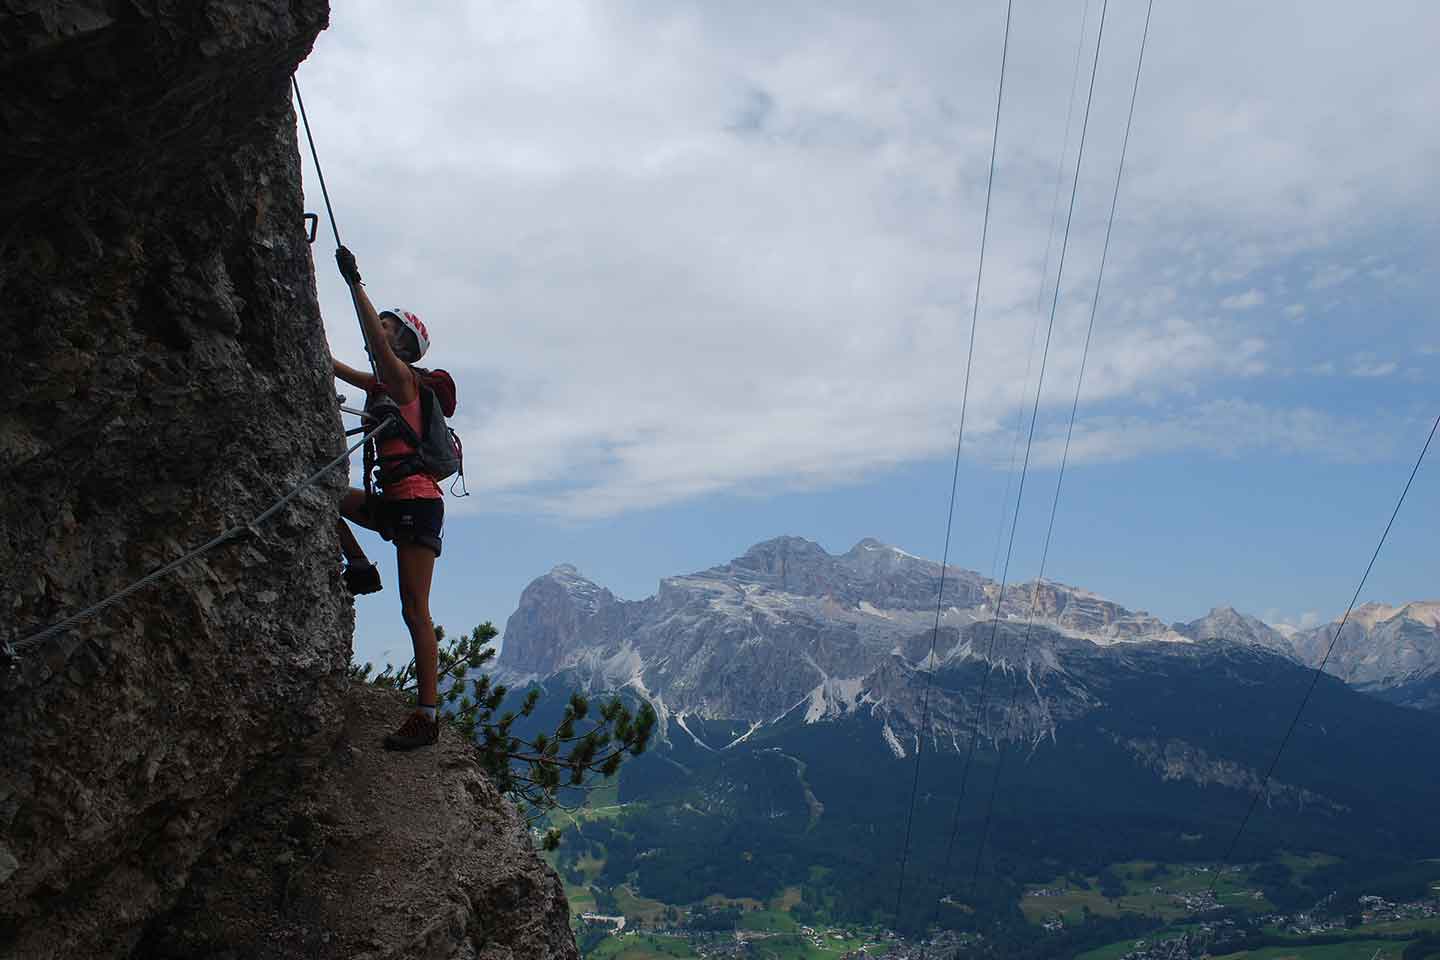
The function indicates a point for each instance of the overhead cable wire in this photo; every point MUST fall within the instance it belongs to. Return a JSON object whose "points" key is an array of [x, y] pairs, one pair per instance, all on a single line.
{"points": [[1315, 677], [1069, 433], [955, 474], [1040, 292], [1025, 465], [1060, 166]]}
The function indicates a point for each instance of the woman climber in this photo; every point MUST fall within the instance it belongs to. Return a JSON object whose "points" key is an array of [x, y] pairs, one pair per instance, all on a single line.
{"points": [[410, 510]]}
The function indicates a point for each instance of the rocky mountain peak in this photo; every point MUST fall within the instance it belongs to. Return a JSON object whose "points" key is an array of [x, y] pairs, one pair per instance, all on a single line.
{"points": [[1422, 611], [775, 555], [870, 553], [788, 564], [1372, 614], [575, 583]]}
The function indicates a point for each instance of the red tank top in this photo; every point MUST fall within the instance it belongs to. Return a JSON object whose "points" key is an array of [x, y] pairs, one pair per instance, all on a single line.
{"points": [[417, 486]]}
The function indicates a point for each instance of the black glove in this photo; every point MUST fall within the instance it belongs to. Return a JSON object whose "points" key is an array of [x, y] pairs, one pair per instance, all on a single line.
{"points": [[345, 260]]}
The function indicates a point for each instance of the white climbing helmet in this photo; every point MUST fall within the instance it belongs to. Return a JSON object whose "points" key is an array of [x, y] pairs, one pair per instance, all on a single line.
{"points": [[413, 324]]}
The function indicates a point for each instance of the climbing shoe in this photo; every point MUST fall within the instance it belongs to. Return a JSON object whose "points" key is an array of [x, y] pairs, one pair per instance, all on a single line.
{"points": [[363, 578], [418, 730]]}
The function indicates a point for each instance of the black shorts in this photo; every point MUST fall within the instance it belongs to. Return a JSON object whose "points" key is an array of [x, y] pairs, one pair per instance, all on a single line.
{"points": [[419, 521]]}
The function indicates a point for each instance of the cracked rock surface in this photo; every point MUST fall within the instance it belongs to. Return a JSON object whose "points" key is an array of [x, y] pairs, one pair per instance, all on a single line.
{"points": [[166, 378]]}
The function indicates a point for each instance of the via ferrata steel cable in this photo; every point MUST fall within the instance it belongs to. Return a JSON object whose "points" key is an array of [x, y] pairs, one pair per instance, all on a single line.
{"points": [[329, 210], [20, 647], [315, 155]]}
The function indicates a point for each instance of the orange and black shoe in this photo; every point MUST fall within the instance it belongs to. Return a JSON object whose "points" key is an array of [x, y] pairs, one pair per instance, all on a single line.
{"points": [[418, 730], [363, 578]]}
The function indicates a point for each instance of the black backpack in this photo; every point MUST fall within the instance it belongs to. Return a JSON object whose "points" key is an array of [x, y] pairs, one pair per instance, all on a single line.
{"points": [[438, 451]]}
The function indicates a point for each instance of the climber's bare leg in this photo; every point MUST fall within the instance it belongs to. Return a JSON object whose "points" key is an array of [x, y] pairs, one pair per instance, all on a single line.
{"points": [[416, 564]]}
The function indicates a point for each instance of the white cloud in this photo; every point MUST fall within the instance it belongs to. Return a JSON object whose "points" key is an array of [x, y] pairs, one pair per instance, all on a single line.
{"points": [[1225, 428], [1331, 275], [1296, 311], [704, 249], [1368, 365], [1243, 301], [1308, 620]]}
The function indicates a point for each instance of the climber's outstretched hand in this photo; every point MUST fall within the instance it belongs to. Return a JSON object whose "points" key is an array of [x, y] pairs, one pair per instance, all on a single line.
{"points": [[345, 260]]}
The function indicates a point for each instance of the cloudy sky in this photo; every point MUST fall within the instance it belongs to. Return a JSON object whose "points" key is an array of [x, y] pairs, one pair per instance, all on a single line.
{"points": [[705, 274]]}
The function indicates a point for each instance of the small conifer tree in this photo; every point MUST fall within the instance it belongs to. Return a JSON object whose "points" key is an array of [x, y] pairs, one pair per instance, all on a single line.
{"points": [[589, 742]]}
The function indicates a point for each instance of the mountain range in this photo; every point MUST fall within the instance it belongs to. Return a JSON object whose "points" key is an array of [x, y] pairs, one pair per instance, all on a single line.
{"points": [[789, 626], [798, 692]]}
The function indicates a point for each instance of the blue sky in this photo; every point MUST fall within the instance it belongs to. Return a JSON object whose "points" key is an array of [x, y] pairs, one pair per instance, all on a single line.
{"points": [[705, 277]]}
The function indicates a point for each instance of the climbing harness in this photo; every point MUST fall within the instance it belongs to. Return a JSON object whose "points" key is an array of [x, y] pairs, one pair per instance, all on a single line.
{"points": [[437, 448], [12, 652]]}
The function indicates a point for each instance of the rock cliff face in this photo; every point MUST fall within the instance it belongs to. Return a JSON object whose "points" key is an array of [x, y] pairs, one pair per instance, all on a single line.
{"points": [[1381, 646], [1392, 652], [165, 377]]}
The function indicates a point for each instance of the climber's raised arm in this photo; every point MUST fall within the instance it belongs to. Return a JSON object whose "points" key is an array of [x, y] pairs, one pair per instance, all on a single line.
{"points": [[394, 372]]}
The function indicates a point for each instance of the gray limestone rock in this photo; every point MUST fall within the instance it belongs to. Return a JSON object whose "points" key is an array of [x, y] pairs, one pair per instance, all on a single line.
{"points": [[789, 624], [166, 378], [790, 628]]}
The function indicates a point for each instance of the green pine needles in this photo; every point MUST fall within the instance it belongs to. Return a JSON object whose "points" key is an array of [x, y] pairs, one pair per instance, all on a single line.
{"points": [[587, 744]]}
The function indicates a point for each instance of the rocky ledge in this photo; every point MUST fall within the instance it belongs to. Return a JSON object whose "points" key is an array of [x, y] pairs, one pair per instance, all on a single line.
{"points": [[362, 854]]}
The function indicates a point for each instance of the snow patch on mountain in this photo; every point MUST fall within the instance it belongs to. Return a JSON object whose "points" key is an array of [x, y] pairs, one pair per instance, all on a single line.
{"points": [[680, 722], [755, 725], [833, 698], [893, 741], [867, 607]]}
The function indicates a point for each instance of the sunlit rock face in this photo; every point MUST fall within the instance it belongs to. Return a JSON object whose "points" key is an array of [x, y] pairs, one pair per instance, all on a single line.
{"points": [[791, 629], [788, 626]]}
